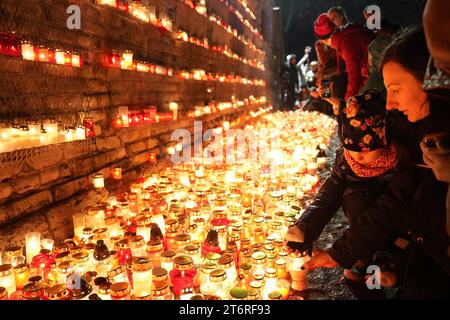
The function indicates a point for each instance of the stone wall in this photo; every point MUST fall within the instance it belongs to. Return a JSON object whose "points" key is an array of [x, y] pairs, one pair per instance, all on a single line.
{"points": [[41, 188]]}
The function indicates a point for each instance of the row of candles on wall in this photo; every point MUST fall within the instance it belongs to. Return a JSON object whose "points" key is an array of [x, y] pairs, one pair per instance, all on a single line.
{"points": [[16, 137], [228, 28], [200, 7], [14, 46], [241, 17], [222, 106], [148, 14], [126, 62], [247, 8], [197, 230], [202, 75], [184, 36]]}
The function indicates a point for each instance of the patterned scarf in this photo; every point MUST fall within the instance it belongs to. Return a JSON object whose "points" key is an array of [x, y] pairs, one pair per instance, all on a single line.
{"points": [[387, 161]]}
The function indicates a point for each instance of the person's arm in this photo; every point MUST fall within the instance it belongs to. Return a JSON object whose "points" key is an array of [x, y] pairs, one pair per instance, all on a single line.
{"points": [[351, 54], [326, 204], [376, 227]]}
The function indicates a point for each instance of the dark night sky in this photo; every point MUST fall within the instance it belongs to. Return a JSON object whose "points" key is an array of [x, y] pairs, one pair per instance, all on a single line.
{"points": [[299, 16]]}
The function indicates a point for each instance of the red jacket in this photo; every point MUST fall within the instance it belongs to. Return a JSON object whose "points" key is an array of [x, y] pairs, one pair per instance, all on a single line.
{"points": [[351, 44]]}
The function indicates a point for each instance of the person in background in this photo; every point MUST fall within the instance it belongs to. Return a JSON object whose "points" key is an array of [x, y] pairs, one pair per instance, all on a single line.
{"points": [[414, 202], [290, 78], [437, 80], [361, 172], [351, 43], [338, 16]]}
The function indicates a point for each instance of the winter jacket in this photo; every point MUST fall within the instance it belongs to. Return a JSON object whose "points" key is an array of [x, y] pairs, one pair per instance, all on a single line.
{"points": [[351, 43], [414, 203], [339, 189]]}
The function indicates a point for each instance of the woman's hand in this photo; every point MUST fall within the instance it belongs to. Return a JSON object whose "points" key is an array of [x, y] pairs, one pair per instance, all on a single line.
{"points": [[437, 161], [335, 102], [295, 234], [320, 259]]}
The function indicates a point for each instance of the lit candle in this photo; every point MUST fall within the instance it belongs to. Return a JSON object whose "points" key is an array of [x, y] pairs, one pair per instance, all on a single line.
{"points": [[76, 60], [127, 60], [99, 181], [144, 232], [28, 51], [32, 245], [41, 53], [59, 56], [112, 3], [7, 279], [173, 106], [117, 173], [47, 244]]}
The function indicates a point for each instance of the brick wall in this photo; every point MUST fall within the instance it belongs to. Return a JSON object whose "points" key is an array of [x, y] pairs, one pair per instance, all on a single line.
{"points": [[42, 188]]}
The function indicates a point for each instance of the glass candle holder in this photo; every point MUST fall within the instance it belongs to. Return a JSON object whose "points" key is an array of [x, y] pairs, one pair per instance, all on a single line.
{"points": [[58, 292], [270, 282], [32, 245], [155, 249], [218, 283], [194, 251], [21, 275], [237, 293], [299, 277], [183, 273], [120, 291], [259, 260], [13, 255], [7, 279], [167, 260], [226, 262], [142, 276], [137, 246]]}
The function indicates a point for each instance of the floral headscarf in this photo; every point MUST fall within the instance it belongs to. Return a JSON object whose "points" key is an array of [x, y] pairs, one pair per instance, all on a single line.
{"points": [[364, 122]]}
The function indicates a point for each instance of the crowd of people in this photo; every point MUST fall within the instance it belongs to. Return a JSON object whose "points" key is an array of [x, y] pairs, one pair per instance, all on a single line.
{"points": [[390, 91]]}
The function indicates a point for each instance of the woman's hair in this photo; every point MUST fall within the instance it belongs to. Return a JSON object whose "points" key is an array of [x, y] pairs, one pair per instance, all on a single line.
{"points": [[409, 49], [340, 11]]}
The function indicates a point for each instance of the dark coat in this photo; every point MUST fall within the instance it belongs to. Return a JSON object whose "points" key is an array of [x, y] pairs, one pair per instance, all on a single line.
{"points": [[351, 44], [341, 188], [414, 203]]}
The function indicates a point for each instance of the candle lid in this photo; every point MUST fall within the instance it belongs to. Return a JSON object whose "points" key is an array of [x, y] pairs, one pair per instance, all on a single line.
{"points": [[245, 266], [32, 291], [197, 297], [275, 295], [66, 265], [183, 262], [213, 256], [21, 268], [87, 231], [60, 257], [101, 252], [35, 279], [13, 251], [238, 293], [137, 242], [159, 274], [226, 260], [259, 257], [90, 275], [57, 292], [217, 275], [141, 264], [256, 284], [253, 294], [182, 239], [5, 270], [120, 289], [81, 257], [168, 254]]}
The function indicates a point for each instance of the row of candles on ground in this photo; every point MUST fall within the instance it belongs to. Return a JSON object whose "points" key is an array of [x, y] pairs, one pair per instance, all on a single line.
{"points": [[17, 137], [200, 229], [184, 36], [12, 45]]}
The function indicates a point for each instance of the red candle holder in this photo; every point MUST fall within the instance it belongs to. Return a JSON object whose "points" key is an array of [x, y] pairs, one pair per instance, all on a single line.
{"points": [[116, 173], [152, 157], [123, 5], [10, 45], [114, 60], [41, 53], [89, 128]]}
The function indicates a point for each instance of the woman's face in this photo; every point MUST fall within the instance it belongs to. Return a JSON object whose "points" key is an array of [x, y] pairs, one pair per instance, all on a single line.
{"points": [[366, 157], [404, 92]]}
